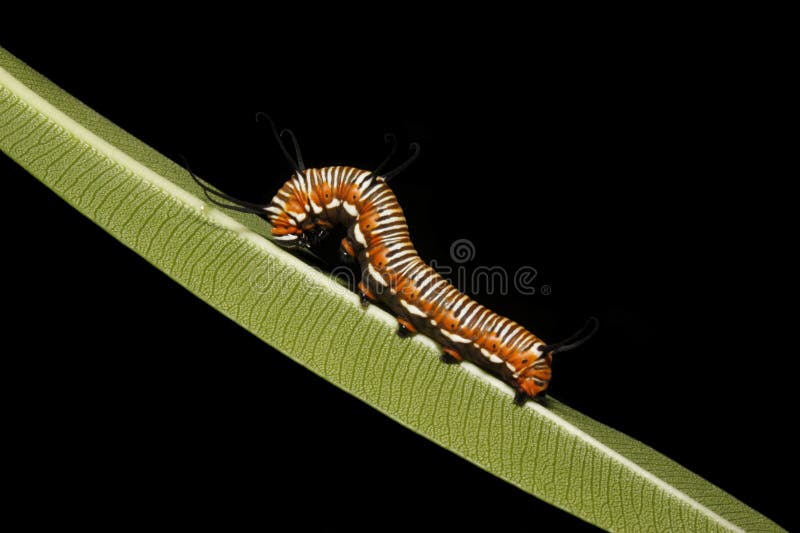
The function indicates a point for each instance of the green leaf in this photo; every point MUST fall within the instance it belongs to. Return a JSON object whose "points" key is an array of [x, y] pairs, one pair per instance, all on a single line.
{"points": [[152, 206]]}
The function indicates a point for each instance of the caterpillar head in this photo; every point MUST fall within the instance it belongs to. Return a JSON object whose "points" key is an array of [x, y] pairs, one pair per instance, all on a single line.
{"points": [[289, 234], [535, 379], [285, 229]]}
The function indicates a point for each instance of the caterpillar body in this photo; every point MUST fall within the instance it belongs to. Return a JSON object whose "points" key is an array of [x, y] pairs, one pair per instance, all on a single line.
{"points": [[314, 200], [396, 276]]}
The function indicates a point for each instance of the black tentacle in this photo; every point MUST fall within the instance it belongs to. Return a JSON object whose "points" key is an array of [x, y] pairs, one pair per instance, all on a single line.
{"points": [[413, 157], [575, 340], [388, 138], [297, 166], [239, 205], [300, 164]]}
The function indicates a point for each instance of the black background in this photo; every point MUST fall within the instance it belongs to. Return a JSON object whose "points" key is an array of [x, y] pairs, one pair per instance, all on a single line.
{"points": [[628, 171]]}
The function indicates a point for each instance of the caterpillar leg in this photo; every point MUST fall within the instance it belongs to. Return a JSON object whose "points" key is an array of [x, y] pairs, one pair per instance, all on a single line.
{"points": [[366, 295], [405, 328], [521, 397], [450, 356], [346, 252]]}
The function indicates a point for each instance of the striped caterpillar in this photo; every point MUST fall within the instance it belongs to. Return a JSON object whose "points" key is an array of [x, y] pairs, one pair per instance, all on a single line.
{"points": [[314, 200]]}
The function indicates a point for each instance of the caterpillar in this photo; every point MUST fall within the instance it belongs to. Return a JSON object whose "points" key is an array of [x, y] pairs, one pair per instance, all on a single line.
{"points": [[315, 200]]}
